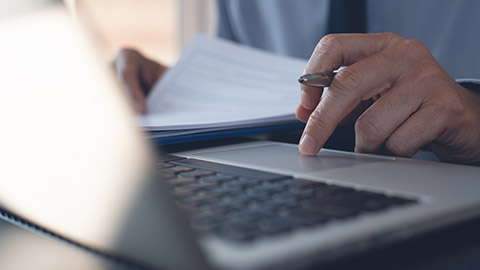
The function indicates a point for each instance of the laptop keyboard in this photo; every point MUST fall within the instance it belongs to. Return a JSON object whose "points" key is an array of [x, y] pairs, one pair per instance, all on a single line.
{"points": [[241, 204]]}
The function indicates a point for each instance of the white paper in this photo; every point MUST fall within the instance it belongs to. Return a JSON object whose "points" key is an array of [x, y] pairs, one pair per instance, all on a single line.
{"points": [[217, 83]]}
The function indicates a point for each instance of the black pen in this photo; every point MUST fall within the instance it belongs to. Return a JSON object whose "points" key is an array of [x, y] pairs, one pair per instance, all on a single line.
{"points": [[318, 79]]}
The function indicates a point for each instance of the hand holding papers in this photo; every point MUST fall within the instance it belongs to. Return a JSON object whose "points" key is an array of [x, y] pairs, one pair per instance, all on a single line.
{"points": [[218, 85]]}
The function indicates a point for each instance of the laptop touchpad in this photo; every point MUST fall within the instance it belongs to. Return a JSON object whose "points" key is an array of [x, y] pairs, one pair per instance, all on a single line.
{"points": [[286, 158]]}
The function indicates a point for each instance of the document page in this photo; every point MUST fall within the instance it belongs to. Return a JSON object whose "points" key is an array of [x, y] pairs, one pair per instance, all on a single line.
{"points": [[218, 83]]}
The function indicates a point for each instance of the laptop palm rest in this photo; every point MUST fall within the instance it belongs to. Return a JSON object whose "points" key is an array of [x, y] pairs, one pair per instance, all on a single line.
{"points": [[329, 165]]}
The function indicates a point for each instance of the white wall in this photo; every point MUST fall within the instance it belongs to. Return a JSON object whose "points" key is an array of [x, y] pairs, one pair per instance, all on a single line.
{"points": [[195, 16]]}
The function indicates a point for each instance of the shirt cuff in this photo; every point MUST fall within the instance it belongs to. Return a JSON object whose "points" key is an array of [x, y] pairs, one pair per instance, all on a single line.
{"points": [[471, 84]]}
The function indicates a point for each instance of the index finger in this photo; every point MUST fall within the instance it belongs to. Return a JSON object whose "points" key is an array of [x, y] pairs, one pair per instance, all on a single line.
{"points": [[334, 51], [360, 81]]}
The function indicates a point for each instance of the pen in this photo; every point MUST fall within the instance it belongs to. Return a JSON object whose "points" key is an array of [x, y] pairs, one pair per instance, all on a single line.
{"points": [[318, 79]]}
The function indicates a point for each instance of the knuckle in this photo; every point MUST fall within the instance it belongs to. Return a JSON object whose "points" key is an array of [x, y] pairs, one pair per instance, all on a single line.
{"points": [[449, 110], [327, 43], [330, 40], [430, 74], [346, 80], [413, 45], [416, 52], [128, 52], [320, 121], [126, 56], [368, 126], [453, 106], [398, 147], [439, 115], [443, 112], [393, 38]]}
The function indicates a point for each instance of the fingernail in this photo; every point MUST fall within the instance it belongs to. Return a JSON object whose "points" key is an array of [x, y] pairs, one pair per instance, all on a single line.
{"points": [[307, 145], [306, 101]]}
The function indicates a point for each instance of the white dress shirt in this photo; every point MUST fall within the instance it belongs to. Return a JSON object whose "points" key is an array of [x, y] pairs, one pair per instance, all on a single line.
{"points": [[449, 28]]}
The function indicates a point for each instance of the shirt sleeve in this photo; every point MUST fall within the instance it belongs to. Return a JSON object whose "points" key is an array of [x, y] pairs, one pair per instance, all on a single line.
{"points": [[471, 84]]}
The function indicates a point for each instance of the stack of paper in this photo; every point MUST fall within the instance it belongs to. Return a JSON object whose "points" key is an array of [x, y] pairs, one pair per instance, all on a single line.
{"points": [[218, 85]]}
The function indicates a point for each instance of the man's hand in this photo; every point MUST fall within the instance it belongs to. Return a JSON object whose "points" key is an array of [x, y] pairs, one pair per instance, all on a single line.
{"points": [[402, 98], [137, 74]]}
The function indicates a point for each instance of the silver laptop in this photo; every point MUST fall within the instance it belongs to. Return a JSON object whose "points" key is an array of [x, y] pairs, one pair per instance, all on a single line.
{"points": [[75, 165]]}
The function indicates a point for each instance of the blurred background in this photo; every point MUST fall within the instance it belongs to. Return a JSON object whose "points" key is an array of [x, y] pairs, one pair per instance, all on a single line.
{"points": [[159, 28]]}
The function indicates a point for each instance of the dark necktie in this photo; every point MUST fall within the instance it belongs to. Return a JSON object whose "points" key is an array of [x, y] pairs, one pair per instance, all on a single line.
{"points": [[346, 16]]}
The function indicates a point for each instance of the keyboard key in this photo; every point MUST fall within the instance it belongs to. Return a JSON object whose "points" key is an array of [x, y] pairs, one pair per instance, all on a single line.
{"points": [[307, 218], [235, 183], [261, 209], [165, 176], [197, 187], [253, 204], [196, 201], [241, 204], [176, 169], [245, 216], [164, 165], [309, 183], [182, 193], [258, 193], [216, 178], [301, 192], [274, 186], [352, 199], [215, 208], [195, 173], [244, 199], [331, 191], [218, 191], [260, 190], [229, 176], [285, 199], [330, 210], [227, 169], [283, 211], [177, 181], [167, 157], [249, 180]]}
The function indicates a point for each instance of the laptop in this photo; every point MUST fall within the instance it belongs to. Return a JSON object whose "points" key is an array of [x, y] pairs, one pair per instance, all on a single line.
{"points": [[23, 249], [75, 165]]}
